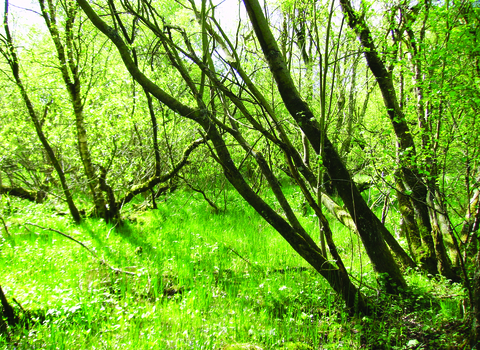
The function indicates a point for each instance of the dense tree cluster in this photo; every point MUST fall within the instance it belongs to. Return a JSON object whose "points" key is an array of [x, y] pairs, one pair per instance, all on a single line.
{"points": [[121, 98]]}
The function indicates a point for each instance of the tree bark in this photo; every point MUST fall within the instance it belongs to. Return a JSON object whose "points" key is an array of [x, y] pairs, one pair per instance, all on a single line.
{"points": [[408, 215], [471, 225], [19, 192], [8, 310]]}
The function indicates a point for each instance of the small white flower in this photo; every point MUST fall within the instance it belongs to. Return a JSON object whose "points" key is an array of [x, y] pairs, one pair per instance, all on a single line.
{"points": [[282, 288]]}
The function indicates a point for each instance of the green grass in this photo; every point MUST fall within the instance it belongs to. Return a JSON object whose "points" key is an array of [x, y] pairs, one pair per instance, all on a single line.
{"points": [[202, 281]]}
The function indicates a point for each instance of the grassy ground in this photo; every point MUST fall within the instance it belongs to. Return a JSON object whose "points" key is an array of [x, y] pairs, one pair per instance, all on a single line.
{"points": [[200, 280]]}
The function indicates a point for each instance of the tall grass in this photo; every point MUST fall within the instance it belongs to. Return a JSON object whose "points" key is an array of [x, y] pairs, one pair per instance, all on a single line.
{"points": [[203, 280]]}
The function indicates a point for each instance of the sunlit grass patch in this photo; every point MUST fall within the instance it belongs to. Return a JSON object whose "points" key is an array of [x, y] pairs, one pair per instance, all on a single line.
{"points": [[199, 280]]}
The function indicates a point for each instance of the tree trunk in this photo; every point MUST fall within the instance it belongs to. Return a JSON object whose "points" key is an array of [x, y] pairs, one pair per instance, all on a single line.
{"points": [[408, 215], [470, 216], [414, 239], [8, 310], [71, 77], [470, 226], [444, 264], [19, 192]]}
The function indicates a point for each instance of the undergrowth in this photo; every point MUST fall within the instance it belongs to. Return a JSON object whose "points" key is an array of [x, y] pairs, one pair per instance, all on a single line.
{"points": [[195, 279]]}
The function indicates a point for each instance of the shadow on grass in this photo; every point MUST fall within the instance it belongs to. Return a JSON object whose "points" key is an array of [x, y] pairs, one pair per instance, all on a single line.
{"points": [[127, 234]]}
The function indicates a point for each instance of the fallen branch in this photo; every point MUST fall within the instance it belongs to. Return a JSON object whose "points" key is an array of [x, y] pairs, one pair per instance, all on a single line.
{"points": [[19, 305], [108, 234], [237, 254], [101, 261], [258, 268]]}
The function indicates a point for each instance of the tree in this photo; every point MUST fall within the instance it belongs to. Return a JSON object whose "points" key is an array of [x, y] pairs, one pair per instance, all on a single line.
{"points": [[9, 53], [69, 52], [80, 65]]}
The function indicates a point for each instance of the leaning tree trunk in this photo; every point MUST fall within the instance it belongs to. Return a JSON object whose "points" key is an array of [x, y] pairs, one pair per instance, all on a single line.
{"points": [[300, 241]]}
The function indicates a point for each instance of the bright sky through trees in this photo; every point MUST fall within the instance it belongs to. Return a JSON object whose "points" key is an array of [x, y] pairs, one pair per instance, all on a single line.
{"points": [[24, 13]]}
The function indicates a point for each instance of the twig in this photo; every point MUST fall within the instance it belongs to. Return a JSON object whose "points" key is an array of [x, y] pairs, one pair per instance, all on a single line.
{"points": [[65, 235], [101, 261], [364, 284], [244, 259], [237, 254], [21, 307], [212, 204], [5, 226], [108, 234]]}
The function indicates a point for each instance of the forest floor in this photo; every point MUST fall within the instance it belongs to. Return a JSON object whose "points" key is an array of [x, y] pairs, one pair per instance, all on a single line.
{"points": [[190, 278]]}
